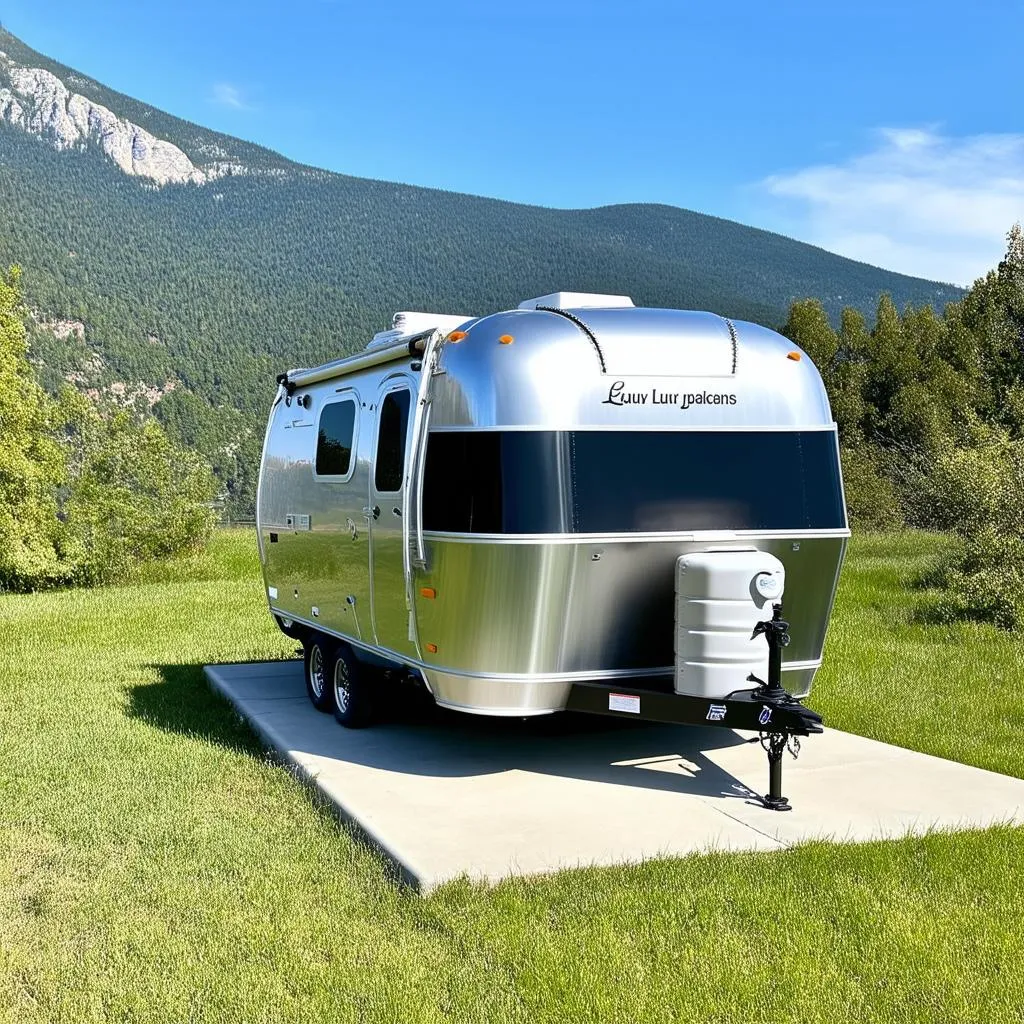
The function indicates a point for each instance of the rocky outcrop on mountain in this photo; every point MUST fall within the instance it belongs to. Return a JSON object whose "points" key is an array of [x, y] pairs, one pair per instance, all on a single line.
{"points": [[61, 329], [37, 101]]}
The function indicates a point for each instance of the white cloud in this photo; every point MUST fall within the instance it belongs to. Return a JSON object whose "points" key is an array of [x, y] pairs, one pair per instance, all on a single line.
{"points": [[919, 202], [228, 95]]}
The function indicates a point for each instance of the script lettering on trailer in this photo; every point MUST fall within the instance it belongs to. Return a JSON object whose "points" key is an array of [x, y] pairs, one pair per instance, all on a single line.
{"points": [[618, 395]]}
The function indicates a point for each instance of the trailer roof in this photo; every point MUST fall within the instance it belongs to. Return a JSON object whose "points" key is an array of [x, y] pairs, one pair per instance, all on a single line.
{"points": [[563, 366]]}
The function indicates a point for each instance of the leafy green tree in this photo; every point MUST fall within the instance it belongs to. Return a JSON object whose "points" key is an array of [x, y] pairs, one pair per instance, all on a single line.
{"points": [[993, 311], [135, 497], [31, 464], [840, 358], [86, 493], [848, 375], [979, 492]]}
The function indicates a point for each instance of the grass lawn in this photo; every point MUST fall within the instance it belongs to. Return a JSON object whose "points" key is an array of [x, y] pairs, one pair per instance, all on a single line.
{"points": [[155, 866]]}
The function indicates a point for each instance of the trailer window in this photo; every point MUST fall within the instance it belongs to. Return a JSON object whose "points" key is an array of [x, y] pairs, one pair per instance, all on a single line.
{"points": [[334, 438], [394, 419], [608, 481]]}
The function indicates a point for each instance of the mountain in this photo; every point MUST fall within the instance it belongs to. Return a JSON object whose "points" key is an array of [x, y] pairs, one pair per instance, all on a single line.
{"points": [[180, 269]]}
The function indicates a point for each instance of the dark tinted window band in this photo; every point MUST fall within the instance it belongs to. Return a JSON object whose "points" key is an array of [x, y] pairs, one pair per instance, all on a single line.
{"points": [[593, 481]]}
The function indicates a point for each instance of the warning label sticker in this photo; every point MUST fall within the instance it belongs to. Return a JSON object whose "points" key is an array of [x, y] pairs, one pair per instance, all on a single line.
{"points": [[624, 702]]}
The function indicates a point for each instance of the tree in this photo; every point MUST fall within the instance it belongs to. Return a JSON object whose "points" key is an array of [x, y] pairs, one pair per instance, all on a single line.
{"points": [[136, 496], [31, 463], [993, 311], [86, 493]]}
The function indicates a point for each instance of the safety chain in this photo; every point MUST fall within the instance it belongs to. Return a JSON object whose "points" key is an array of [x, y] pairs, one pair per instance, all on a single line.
{"points": [[774, 743]]}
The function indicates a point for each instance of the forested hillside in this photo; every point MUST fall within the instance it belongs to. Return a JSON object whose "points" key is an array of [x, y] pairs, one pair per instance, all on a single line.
{"points": [[203, 292]]}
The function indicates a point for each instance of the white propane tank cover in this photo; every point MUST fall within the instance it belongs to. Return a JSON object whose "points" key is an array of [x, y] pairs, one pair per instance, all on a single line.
{"points": [[720, 597]]}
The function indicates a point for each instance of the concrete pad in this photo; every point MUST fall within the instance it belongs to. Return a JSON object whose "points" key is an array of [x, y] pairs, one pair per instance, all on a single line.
{"points": [[444, 794]]}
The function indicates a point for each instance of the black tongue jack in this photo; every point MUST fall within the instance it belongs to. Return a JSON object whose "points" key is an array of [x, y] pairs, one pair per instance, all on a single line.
{"points": [[776, 631]]}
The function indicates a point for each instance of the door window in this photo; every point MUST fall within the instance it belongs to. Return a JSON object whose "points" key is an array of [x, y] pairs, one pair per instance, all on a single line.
{"points": [[334, 439], [391, 434]]}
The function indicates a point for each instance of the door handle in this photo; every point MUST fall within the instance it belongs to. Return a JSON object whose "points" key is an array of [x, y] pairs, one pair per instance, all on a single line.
{"points": [[374, 512], [396, 511]]}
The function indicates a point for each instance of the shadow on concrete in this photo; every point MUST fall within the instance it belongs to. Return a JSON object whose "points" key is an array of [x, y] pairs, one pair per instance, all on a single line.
{"points": [[416, 737], [594, 748]]}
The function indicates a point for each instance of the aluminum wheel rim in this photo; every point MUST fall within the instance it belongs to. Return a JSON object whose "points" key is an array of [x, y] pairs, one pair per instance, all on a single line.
{"points": [[341, 687], [316, 672]]}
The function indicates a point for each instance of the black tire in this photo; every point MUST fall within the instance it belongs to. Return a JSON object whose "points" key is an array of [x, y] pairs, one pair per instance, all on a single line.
{"points": [[290, 628], [318, 656], [351, 690]]}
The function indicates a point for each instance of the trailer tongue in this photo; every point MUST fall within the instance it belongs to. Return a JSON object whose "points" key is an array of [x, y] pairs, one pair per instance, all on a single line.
{"points": [[778, 718]]}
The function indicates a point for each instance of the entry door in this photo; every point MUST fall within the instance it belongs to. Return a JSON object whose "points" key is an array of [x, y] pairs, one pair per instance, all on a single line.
{"points": [[386, 514]]}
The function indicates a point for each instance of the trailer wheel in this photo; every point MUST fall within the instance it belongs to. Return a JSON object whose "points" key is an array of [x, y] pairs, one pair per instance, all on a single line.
{"points": [[350, 691], [289, 627], [319, 657]]}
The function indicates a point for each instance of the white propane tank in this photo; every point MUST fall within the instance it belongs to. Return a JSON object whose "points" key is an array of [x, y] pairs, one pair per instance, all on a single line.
{"points": [[720, 597]]}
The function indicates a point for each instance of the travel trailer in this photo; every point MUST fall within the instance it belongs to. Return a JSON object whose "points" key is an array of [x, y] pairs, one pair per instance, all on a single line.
{"points": [[576, 504]]}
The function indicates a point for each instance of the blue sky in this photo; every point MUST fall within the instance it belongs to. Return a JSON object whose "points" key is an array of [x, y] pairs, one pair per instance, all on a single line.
{"points": [[890, 132]]}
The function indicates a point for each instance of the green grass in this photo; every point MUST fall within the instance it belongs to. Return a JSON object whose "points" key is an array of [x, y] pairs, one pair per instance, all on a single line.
{"points": [[156, 866], [956, 691]]}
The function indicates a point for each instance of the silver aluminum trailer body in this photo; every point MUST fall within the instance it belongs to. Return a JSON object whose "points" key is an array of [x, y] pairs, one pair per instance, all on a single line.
{"points": [[517, 493]]}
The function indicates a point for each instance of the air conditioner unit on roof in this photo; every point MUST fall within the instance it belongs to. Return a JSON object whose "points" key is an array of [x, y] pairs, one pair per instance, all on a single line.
{"points": [[578, 300], [405, 323]]}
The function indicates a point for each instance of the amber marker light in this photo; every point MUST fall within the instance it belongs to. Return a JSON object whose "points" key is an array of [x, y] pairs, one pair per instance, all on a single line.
{"points": [[428, 592], [456, 335], [432, 648], [506, 339], [795, 356]]}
